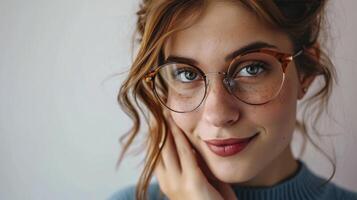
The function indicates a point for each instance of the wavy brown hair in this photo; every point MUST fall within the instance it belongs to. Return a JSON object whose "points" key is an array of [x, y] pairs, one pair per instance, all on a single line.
{"points": [[301, 20]]}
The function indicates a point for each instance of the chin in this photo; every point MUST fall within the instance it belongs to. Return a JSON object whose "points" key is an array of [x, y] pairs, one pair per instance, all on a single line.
{"points": [[233, 173]]}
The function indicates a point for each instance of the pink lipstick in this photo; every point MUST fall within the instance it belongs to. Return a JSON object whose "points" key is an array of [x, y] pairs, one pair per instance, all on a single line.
{"points": [[228, 147]]}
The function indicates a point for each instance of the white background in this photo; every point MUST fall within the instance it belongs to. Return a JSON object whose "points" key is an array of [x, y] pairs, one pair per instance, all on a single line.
{"points": [[59, 120]]}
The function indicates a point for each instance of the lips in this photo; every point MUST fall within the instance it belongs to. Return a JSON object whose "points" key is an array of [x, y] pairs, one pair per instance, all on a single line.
{"points": [[228, 147]]}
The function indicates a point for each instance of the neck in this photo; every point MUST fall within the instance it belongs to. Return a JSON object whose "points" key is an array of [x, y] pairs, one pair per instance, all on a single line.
{"points": [[283, 167]]}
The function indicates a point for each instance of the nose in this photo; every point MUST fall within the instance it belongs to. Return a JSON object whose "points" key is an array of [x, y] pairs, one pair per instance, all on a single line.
{"points": [[220, 107]]}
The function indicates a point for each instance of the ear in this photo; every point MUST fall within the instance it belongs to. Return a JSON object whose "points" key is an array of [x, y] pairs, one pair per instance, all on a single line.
{"points": [[305, 82], [306, 79]]}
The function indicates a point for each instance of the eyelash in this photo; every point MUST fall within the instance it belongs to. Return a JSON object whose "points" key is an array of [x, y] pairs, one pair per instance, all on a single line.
{"points": [[259, 64], [178, 72]]}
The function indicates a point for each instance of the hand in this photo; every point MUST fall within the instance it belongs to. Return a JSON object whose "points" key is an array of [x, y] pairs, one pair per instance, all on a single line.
{"points": [[179, 173]]}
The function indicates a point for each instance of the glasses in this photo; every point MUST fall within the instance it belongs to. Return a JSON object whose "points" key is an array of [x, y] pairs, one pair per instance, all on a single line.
{"points": [[254, 77]]}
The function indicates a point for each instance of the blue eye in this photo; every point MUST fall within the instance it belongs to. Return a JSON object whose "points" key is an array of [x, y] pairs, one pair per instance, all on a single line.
{"points": [[251, 69], [185, 75]]}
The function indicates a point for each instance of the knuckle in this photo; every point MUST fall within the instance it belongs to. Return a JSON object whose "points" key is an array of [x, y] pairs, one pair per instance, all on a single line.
{"points": [[192, 184], [171, 189], [183, 151]]}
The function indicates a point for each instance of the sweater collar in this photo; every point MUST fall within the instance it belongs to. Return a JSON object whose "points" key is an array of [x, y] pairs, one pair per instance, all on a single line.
{"points": [[302, 185]]}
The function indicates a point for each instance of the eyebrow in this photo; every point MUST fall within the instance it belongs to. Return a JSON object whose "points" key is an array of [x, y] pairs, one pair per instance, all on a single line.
{"points": [[248, 47]]}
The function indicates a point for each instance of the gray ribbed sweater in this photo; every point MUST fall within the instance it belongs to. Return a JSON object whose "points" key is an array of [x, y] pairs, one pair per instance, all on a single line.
{"points": [[303, 185]]}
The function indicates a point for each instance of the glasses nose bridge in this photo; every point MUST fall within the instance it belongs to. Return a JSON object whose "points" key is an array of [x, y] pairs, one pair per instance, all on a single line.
{"points": [[225, 80], [224, 74]]}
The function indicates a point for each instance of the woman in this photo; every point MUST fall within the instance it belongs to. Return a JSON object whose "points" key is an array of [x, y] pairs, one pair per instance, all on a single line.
{"points": [[219, 83]]}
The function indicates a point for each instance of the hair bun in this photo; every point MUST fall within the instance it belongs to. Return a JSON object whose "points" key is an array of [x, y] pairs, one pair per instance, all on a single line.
{"points": [[298, 9]]}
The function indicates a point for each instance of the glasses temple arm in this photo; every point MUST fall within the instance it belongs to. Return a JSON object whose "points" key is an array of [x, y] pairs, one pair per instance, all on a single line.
{"points": [[298, 53]]}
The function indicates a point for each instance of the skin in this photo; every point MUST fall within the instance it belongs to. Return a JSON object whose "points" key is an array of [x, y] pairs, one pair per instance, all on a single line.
{"points": [[264, 162]]}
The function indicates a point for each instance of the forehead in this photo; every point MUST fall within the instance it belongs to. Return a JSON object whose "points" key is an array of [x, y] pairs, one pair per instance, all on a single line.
{"points": [[223, 28]]}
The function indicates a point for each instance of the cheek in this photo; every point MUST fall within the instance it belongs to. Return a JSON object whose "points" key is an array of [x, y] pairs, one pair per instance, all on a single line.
{"points": [[185, 121], [279, 116], [287, 100]]}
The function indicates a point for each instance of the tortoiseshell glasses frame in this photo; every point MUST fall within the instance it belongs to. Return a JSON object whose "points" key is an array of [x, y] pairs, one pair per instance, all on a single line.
{"points": [[282, 58]]}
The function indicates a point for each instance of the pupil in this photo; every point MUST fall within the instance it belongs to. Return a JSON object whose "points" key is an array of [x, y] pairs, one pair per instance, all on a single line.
{"points": [[252, 69], [190, 75]]}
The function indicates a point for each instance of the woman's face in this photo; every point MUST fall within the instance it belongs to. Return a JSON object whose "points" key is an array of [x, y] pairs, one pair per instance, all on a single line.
{"points": [[224, 28]]}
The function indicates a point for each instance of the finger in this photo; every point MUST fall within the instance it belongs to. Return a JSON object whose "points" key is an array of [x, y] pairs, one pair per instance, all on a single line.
{"points": [[204, 167], [184, 149], [159, 165], [159, 169], [169, 155], [161, 175]]}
